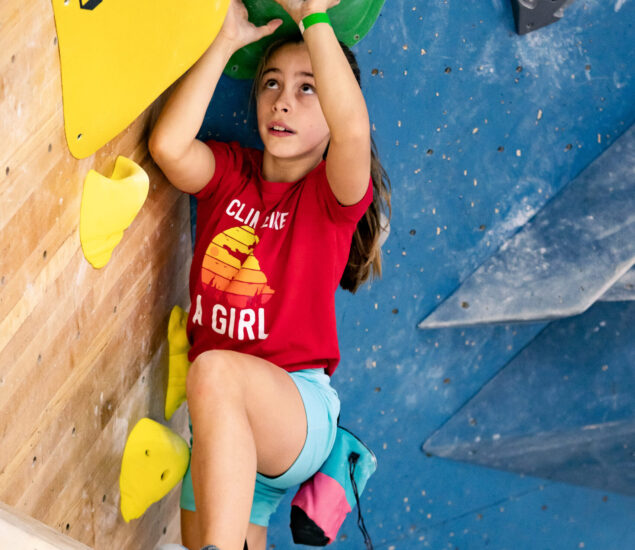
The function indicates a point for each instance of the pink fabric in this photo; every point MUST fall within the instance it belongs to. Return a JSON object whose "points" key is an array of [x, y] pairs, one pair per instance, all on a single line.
{"points": [[324, 501]]}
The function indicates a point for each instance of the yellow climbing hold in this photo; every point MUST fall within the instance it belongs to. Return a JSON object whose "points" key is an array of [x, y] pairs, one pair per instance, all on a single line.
{"points": [[154, 460], [118, 56], [108, 207], [178, 363]]}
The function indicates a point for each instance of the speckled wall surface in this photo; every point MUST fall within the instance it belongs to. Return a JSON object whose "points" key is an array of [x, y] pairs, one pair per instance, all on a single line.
{"points": [[478, 128]]}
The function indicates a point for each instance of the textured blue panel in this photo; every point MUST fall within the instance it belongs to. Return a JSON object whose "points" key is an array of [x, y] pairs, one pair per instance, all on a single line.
{"points": [[564, 259], [563, 409], [552, 517], [478, 129]]}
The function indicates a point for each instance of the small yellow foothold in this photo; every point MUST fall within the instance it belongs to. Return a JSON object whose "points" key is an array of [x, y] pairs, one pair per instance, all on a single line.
{"points": [[154, 460], [178, 364], [109, 205]]}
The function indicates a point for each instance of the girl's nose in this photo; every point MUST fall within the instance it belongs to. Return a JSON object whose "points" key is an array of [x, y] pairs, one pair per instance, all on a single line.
{"points": [[280, 107], [281, 104]]}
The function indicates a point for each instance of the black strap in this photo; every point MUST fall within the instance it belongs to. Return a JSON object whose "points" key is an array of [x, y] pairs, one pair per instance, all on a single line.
{"points": [[352, 463]]}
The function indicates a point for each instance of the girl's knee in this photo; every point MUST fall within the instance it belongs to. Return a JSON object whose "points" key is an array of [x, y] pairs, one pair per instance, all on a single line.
{"points": [[212, 374]]}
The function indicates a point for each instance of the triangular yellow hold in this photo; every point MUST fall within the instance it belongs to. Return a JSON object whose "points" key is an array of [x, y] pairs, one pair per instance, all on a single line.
{"points": [[109, 205], [178, 364], [118, 56], [154, 460]]}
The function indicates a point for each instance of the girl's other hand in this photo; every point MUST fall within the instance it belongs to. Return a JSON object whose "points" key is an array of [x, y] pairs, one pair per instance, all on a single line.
{"points": [[298, 9], [238, 31]]}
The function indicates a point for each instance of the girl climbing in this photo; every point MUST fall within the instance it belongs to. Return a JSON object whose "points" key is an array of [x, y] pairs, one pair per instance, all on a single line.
{"points": [[277, 231]]}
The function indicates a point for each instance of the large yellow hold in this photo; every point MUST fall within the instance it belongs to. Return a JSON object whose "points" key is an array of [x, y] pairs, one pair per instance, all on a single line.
{"points": [[178, 364], [109, 205], [154, 460], [118, 56]]}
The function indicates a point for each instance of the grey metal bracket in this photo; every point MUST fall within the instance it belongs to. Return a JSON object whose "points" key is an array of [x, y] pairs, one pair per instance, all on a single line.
{"points": [[535, 14]]}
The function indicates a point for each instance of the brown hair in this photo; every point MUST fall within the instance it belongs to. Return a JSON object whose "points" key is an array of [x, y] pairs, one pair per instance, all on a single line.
{"points": [[365, 256]]}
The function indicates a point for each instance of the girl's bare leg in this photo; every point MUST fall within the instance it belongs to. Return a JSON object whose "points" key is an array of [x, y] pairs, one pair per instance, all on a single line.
{"points": [[247, 416], [256, 534], [189, 530], [256, 537]]}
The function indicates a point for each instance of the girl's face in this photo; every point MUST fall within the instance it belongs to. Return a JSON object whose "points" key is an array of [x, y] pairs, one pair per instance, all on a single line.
{"points": [[290, 119]]}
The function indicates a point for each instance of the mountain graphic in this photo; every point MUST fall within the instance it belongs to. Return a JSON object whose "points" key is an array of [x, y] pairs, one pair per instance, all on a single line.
{"points": [[231, 269]]}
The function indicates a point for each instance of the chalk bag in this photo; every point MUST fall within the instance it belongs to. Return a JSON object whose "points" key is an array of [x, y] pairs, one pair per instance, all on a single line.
{"points": [[323, 501]]}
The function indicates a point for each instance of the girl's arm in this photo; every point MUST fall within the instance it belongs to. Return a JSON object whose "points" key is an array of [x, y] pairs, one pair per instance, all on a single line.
{"points": [[341, 99], [188, 163]]}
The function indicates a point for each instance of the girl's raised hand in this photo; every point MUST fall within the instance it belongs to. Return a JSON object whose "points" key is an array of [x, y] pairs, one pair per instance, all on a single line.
{"points": [[299, 9], [237, 29]]}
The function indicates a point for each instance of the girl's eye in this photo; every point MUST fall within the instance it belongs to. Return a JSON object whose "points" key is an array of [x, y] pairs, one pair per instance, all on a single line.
{"points": [[307, 89], [270, 84]]}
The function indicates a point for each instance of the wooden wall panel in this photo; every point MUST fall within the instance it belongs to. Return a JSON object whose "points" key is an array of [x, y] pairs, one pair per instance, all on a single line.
{"points": [[83, 352]]}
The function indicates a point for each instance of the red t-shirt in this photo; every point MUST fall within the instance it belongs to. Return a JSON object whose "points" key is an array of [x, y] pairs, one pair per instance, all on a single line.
{"points": [[268, 258]]}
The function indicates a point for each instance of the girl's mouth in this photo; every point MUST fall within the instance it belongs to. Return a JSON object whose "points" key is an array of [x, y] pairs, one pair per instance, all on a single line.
{"points": [[279, 130]]}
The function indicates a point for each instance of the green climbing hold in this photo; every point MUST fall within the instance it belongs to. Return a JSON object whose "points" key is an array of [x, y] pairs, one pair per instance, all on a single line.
{"points": [[351, 20]]}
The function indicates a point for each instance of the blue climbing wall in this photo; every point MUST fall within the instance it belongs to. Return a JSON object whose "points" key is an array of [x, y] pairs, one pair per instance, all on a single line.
{"points": [[497, 435]]}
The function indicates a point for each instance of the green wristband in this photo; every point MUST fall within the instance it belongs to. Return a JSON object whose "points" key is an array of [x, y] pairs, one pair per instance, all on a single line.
{"points": [[313, 19]]}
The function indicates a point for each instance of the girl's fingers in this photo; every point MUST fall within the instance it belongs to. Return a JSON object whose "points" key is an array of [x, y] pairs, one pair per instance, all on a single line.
{"points": [[296, 7], [269, 28], [290, 6]]}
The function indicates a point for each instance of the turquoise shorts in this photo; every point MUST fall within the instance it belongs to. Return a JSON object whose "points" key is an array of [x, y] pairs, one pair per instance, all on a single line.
{"points": [[322, 407]]}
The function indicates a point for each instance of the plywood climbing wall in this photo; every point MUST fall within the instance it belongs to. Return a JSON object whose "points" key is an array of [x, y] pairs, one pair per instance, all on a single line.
{"points": [[83, 353]]}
